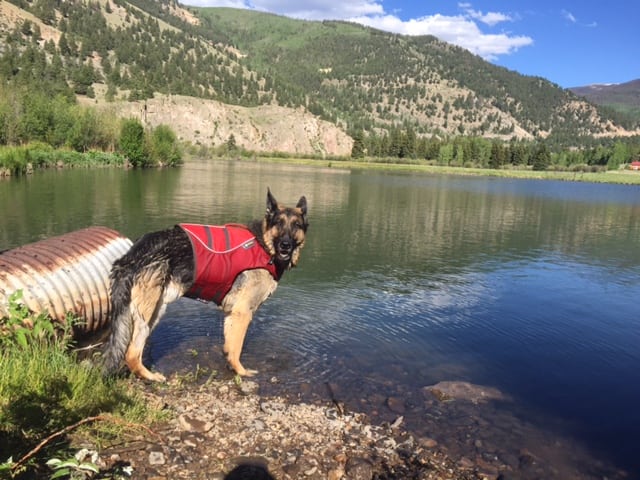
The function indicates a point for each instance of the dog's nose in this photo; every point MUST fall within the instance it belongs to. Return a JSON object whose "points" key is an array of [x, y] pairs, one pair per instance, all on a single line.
{"points": [[285, 244]]}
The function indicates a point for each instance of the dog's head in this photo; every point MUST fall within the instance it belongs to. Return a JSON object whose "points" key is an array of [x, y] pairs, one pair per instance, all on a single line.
{"points": [[284, 230]]}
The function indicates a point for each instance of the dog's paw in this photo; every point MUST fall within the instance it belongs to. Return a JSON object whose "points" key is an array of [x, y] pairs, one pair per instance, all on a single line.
{"points": [[155, 377], [243, 372]]}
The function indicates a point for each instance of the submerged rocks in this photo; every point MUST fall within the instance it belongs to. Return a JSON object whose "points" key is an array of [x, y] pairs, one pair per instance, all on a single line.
{"points": [[445, 391]]}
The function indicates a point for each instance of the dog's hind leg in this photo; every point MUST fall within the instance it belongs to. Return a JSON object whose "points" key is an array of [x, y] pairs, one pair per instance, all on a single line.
{"points": [[133, 356], [147, 306]]}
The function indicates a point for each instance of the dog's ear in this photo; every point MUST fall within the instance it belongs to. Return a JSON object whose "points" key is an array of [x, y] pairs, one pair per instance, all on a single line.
{"points": [[272, 204], [302, 205]]}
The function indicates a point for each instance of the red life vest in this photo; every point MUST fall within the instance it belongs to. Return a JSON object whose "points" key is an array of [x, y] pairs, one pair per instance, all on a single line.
{"points": [[221, 253]]}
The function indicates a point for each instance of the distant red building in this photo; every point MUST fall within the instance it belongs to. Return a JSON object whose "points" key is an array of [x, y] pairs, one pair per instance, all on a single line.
{"points": [[635, 165]]}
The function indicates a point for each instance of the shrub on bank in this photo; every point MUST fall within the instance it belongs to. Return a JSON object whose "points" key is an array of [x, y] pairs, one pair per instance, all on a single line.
{"points": [[24, 159]]}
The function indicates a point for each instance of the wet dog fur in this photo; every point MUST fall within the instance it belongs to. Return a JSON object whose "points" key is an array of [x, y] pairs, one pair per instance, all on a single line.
{"points": [[159, 268]]}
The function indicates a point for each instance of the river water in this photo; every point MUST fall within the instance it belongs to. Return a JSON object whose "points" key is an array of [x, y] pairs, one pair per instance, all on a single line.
{"points": [[529, 287]]}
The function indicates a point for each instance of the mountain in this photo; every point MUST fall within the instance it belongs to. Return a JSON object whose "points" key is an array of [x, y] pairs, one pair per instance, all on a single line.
{"points": [[623, 97], [220, 70], [365, 78]]}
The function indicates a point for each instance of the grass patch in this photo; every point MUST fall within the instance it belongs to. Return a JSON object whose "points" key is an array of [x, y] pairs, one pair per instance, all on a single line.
{"points": [[24, 159], [44, 388]]}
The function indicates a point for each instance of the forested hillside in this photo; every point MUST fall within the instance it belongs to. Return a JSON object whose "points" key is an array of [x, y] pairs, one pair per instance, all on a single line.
{"points": [[71, 46], [622, 97], [368, 83], [369, 79]]}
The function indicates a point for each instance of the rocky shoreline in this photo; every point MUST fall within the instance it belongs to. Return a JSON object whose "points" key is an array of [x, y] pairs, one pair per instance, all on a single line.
{"points": [[223, 430]]}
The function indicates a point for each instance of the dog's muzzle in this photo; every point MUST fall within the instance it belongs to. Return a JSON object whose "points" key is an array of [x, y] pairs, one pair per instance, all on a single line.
{"points": [[284, 249]]}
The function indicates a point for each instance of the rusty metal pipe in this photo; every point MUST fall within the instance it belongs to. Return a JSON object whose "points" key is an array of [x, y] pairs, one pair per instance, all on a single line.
{"points": [[67, 273]]}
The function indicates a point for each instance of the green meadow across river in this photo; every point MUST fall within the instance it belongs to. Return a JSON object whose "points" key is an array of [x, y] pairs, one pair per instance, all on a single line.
{"points": [[627, 177]]}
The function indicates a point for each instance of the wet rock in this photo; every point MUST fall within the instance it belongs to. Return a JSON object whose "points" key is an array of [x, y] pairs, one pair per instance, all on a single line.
{"points": [[358, 468], [292, 470], [248, 388], [333, 413], [375, 400], [396, 405], [397, 422], [311, 471], [335, 474], [190, 439], [451, 390], [273, 407], [156, 458], [427, 442], [510, 459], [258, 425], [334, 389], [465, 463], [190, 424], [486, 469], [526, 459]]}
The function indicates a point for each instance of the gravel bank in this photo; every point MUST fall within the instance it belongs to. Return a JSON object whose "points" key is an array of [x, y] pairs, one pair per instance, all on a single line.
{"points": [[221, 430]]}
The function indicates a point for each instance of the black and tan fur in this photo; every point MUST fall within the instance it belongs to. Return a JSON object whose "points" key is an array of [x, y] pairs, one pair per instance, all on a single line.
{"points": [[159, 269]]}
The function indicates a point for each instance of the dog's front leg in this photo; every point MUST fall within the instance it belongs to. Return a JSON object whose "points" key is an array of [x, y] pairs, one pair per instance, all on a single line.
{"points": [[249, 291], [236, 325]]}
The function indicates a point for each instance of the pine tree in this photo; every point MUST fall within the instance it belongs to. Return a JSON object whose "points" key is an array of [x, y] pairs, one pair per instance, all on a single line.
{"points": [[541, 157], [358, 148]]}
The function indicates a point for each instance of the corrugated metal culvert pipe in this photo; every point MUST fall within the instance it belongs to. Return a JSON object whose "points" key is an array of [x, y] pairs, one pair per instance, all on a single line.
{"points": [[67, 273]]}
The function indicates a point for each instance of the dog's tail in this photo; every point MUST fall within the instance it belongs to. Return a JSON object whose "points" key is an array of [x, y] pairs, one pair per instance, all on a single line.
{"points": [[122, 280]]}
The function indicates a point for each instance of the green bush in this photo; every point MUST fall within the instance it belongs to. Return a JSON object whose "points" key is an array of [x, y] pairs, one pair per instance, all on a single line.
{"points": [[13, 159], [94, 158], [43, 386], [164, 146], [132, 142]]}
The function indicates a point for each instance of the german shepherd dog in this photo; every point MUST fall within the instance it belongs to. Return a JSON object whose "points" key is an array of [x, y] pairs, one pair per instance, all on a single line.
{"points": [[162, 266]]}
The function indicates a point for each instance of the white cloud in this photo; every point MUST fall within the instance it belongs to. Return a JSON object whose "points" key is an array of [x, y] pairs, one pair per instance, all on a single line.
{"points": [[308, 10], [462, 29], [569, 16], [459, 30], [489, 18], [217, 3]]}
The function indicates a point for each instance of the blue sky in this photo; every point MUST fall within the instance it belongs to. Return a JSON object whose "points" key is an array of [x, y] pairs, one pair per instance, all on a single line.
{"points": [[570, 42]]}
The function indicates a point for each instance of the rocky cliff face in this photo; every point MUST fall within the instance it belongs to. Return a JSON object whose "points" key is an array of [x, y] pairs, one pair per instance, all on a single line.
{"points": [[268, 128]]}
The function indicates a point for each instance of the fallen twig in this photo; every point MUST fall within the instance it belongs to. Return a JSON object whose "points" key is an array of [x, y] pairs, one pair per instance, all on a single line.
{"points": [[67, 429]]}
